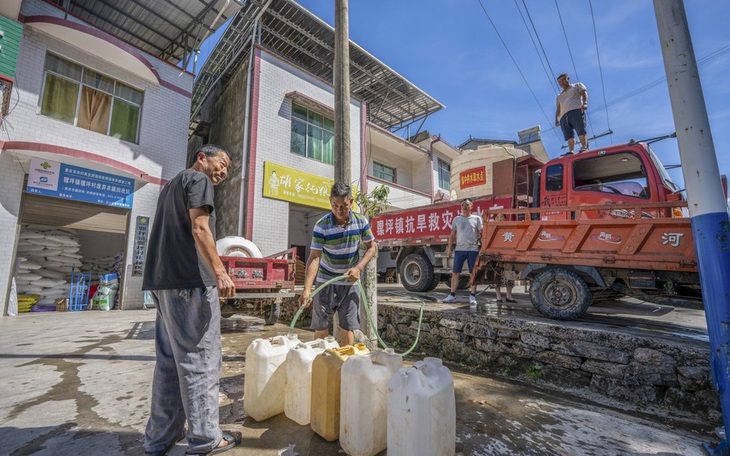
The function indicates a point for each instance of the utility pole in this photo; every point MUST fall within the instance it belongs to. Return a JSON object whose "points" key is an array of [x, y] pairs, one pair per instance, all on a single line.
{"points": [[343, 171], [707, 205], [342, 93]]}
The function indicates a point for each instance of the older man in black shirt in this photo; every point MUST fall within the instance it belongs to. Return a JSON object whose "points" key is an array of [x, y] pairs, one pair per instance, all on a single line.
{"points": [[186, 277]]}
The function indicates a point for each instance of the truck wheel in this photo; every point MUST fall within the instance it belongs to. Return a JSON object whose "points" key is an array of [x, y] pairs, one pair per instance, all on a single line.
{"points": [[236, 246], [434, 283], [463, 282], [560, 294], [416, 273], [272, 311]]}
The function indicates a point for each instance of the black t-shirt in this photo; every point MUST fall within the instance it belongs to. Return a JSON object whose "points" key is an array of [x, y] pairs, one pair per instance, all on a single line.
{"points": [[173, 260]]}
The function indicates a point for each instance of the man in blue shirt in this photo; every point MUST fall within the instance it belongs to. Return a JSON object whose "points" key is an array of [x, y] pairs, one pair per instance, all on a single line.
{"points": [[334, 252]]}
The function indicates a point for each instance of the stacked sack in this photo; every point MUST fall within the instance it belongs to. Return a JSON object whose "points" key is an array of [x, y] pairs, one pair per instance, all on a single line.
{"points": [[26, 302], [44, 261], [111, 264]]}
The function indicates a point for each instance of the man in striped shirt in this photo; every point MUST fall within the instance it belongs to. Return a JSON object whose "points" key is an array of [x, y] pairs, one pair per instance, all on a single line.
{"points": [[334, 252]]}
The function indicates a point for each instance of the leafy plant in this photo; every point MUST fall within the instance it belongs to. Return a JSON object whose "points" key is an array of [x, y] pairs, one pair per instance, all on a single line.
{"points": [[373, 203], [535, 371]]}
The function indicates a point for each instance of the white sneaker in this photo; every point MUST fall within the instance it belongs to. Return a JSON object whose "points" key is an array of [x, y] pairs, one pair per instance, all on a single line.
{"points": [[472, 300], [450, 298]]}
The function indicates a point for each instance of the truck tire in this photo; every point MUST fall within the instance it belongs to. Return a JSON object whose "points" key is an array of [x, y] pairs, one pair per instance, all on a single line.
{"points": [[560, 294], [463, 282], [272, 311], [236, 246], [416, 273]]}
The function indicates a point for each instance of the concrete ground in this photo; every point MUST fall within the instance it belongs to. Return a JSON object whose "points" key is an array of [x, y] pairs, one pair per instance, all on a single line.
{"points": [[78, 383]]}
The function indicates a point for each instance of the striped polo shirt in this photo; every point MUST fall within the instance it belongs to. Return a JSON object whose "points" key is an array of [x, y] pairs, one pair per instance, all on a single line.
{"points": [[339, 244]]}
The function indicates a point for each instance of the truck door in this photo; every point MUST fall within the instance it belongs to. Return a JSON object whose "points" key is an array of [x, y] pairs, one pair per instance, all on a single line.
{"points": [[612, 177], [554, 191]]}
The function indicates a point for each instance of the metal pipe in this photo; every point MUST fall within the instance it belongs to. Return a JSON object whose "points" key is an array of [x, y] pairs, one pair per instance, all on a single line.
{"points": [[246, 129]]}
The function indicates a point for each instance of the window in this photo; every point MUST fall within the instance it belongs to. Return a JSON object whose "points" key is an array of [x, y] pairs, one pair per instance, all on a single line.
{"points": [[383, 172], [620, 173], [82, 97], [444, 175], [312, 135], [554, 178]]}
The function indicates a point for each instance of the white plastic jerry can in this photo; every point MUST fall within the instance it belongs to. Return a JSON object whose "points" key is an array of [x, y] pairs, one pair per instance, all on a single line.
{"points": [[364, 401], [422, 410], [297, 394], [265, 376]]}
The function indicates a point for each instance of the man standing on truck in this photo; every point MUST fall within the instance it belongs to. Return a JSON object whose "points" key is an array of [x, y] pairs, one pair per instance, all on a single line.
{"points": [[186, 277], [466, 230], [570, 113], [334, 252]]}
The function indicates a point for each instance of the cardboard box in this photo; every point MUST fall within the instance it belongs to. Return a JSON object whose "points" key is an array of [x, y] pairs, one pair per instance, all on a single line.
{"points": [[61, 304]]}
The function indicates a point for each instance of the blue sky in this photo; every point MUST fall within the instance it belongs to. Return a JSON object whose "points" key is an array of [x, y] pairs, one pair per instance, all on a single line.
{"points": [[450, 50]]}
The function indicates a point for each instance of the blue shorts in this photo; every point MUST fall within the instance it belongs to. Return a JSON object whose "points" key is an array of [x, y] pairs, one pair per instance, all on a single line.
{"points": [[573, 120], [462, 255], [334, 297]]}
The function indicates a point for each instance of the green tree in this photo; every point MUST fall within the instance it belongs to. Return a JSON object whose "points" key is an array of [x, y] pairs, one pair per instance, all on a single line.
{"points": [[373, 203]]}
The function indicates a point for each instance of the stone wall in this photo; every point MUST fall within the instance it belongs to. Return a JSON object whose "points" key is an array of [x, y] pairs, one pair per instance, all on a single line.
{"points": [[639, 368]]}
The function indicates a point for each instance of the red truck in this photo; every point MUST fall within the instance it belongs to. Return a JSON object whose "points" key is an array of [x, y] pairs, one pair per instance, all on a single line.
{"points": [[581, 228], [261, 283]]}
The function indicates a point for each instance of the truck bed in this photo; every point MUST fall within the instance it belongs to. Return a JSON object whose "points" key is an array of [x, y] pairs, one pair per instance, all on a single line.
{"points": [[659, 244]]}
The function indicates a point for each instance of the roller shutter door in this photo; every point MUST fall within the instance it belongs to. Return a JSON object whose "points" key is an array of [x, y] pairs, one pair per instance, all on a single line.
{"points": [[43, 210]]}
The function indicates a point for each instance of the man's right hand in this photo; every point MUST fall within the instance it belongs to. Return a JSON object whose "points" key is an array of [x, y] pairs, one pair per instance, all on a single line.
{"points": [[304, 299], [226, 287], [557, 123]]}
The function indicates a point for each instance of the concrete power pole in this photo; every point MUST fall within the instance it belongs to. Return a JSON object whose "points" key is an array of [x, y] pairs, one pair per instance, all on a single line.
{"points": [[707, 204], [342, 93], [343, 167]]}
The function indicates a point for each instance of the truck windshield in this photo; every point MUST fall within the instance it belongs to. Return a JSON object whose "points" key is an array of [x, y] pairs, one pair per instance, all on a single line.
{"points": [[621, 173], [666, 180]]}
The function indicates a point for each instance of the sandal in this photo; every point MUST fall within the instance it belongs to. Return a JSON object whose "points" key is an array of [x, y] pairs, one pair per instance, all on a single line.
{"points": [[511, 300], [232, 439]]}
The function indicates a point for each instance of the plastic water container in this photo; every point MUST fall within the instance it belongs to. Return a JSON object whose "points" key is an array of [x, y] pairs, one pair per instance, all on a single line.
{"points": [[325, 397], [422, 411], [263, 388], [364, 401], [297, 394]]}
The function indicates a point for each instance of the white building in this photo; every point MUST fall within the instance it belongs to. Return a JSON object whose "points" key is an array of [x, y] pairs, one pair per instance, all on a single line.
{"points": [[270, 103], [96, 103]]}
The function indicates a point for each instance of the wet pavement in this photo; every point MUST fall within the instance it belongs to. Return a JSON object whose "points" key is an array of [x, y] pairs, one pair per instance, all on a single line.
{"points": [[78, 383]]}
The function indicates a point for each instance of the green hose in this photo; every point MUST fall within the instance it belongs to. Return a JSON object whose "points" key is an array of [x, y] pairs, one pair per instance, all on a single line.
{"points": [[367, 312]]}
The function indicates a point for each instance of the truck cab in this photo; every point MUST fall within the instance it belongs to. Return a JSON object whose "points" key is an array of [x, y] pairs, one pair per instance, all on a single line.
{"points": [[624, 174]]}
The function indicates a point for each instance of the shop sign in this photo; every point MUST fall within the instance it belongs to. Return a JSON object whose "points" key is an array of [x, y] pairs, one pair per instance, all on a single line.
{"points": [[473, 177], [289, 184], [60, 180], [140, 245]]}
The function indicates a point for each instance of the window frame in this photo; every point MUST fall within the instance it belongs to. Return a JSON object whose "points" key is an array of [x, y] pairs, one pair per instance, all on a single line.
{"points": [[548, 181], [440, 167], [309, 125], [80, 87], [385, 168]]}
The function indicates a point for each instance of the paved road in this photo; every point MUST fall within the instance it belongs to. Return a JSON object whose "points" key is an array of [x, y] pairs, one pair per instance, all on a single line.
{"points": [[684, 320], [78, 384]]}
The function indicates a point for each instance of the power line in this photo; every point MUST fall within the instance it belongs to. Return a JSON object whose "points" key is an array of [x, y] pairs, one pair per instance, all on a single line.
{"points": [[517, 66], [600, 68], [708, 58], [565, 34], [534, 45], [537, 35]]}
